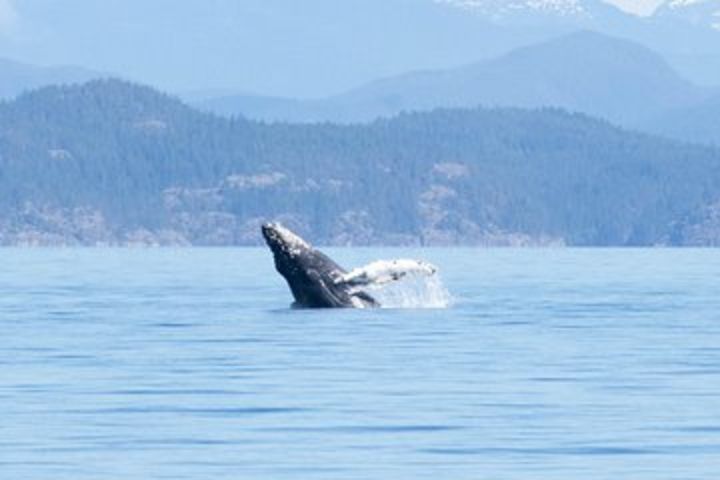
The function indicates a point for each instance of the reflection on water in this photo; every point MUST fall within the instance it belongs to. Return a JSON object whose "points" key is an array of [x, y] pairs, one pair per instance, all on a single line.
{"points": [[188, 364]]}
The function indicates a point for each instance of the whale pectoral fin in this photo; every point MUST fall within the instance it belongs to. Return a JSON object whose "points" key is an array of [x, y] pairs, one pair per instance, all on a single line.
{"points": [[364, 279], [386, 271], [324, 291], [366, 299]]}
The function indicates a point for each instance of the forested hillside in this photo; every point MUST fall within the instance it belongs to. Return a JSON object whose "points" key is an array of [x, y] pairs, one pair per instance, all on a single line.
{"points": [[115, 163]]}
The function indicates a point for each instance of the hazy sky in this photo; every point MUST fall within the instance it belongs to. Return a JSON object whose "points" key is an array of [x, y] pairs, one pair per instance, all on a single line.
{"points": [[8, 15]]}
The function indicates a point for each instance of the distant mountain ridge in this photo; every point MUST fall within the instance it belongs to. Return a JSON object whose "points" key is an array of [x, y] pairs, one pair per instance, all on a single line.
{"points": [[587, 72], [695, 123], [318, 48], [111, 163], [19, 77]]}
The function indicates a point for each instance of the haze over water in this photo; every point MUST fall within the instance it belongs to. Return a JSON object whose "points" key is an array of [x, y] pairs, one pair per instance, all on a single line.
{"points": [[188, 364]]}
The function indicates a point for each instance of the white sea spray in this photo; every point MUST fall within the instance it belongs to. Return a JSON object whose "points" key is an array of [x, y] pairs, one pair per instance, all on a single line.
{"points": [[415, 290]]}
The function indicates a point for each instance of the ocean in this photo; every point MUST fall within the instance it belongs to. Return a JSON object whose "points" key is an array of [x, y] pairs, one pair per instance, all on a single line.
{"points": [[523, 364]]}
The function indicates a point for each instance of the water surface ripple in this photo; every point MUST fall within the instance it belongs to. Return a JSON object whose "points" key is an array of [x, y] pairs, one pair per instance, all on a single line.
{"points": [[187, 364]]}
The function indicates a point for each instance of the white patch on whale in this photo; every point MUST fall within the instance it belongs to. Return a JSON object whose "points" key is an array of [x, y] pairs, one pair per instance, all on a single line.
{"points": [[402, 283], [295, 244], [386, 271]]}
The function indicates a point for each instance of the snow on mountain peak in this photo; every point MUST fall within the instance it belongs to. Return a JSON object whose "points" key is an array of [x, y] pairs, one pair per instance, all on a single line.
{"points": [[700, 12], [683, 3], [499, 8]]}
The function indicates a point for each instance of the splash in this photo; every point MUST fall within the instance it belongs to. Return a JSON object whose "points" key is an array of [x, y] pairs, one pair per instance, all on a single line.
{"points": [[413, 291]]}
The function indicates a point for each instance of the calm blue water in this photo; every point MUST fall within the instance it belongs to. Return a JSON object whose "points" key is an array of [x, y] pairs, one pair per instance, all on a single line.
{"points": [[187, 364]]}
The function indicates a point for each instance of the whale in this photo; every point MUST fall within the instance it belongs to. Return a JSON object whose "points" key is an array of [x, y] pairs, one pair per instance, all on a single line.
{"points": [[317, 281]]}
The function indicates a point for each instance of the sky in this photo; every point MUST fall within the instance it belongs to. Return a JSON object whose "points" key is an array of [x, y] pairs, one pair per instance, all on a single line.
{"points": [[8, 15]]}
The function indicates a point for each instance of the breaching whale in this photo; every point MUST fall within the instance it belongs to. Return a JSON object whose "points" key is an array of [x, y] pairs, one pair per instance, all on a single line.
{"points": [[316, 281]]}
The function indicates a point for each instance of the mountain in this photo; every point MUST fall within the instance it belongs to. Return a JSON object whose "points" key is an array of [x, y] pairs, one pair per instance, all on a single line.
{"points": [[319, 48], [695, 123], [687, 33], [19, 77], [684, 31], [277, 109], [116, 163], [277, 47], [586, 72]]}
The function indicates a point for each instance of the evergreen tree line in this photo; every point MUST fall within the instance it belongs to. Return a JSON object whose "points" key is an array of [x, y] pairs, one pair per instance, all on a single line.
{"points": [[145, 161]]}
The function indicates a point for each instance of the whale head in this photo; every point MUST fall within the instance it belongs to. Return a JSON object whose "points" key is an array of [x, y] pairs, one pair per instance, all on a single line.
{"points": [[283, 242]]}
